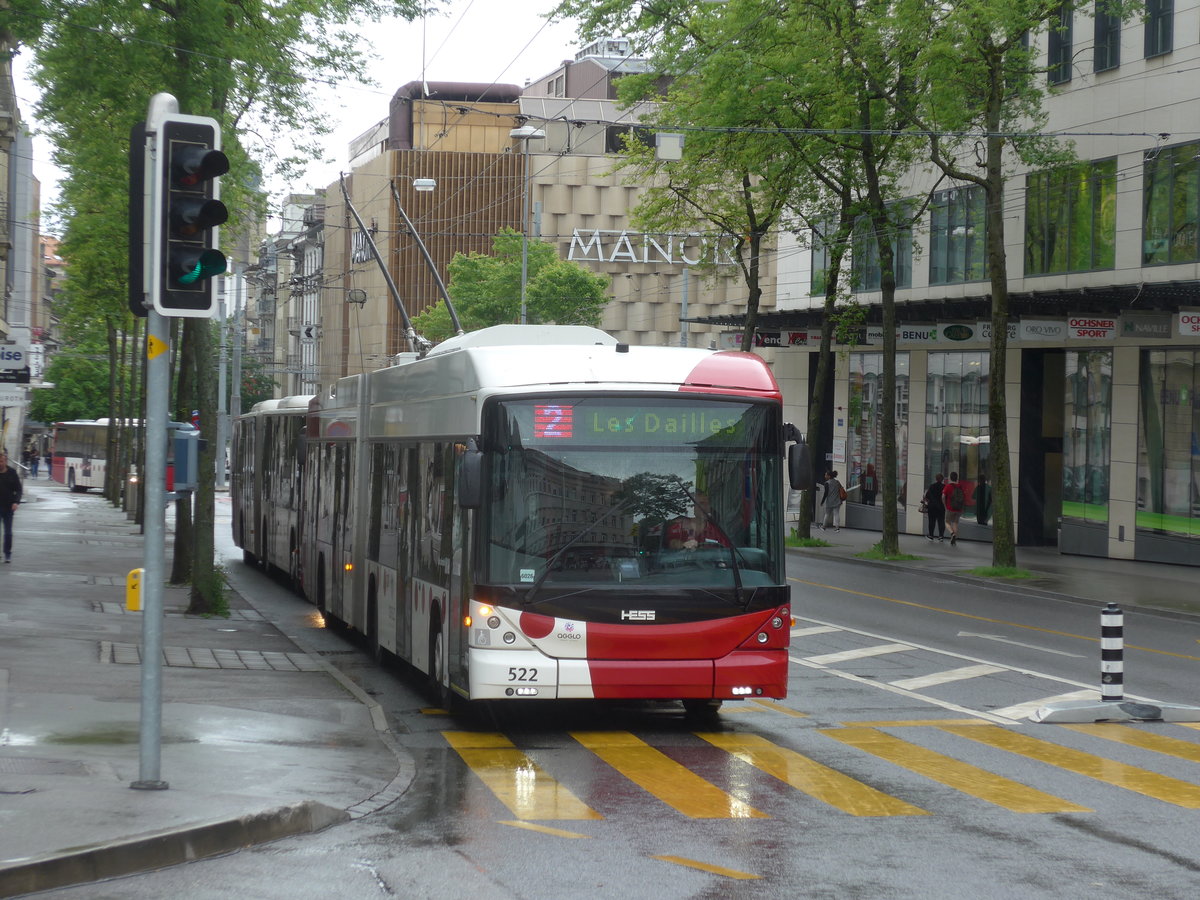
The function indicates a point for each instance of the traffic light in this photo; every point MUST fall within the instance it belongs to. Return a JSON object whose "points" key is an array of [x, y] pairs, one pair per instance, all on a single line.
{"points": [[187, 212]]}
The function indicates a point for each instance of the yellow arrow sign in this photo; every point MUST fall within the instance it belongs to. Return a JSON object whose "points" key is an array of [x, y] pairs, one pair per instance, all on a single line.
{"points": [[154, 347]]}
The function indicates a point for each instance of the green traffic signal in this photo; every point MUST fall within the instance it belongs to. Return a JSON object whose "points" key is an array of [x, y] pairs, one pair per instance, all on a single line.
{"points": [[190, 266]]}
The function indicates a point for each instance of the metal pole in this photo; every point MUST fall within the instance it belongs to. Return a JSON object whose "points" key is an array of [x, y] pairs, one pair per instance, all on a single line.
{"points": [[158, 372], [525, 234], [239, 336], [1112, 654], [683, 325], [222, 383]]}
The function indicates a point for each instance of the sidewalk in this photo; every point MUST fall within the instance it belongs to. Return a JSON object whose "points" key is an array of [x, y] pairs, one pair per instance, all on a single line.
{"points": [[1130, 585], [261, 738]]}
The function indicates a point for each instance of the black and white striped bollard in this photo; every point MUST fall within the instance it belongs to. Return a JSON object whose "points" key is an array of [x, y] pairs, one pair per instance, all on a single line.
{"points": [[1112, 653]]}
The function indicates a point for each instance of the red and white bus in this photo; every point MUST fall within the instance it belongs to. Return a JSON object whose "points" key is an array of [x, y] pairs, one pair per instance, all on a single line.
{"points": [[79, 452], [495, 513]]}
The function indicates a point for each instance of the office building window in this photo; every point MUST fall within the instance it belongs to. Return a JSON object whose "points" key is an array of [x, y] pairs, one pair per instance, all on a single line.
{"points": [[1087, 433], [1168, 496], [1071, 219], [1107, 52], [957, 233], [1171, 200], [1059, 45], [1160, 27], [956, 419], [865, 444], [819, 276], [867, 275]]}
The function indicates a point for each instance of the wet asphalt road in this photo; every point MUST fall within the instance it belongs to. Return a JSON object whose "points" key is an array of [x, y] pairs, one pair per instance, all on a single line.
{"points": [[892, 770]]}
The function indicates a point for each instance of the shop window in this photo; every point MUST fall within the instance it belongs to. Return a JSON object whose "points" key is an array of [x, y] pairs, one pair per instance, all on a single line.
{"points": [[1168, 494], [1086, 434], [1071, 219], [957, 236], [956, 419], [1171, 204], [865, 438]]}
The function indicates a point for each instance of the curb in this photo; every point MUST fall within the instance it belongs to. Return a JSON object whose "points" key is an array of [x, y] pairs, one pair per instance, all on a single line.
{"points": [[161, 849]]}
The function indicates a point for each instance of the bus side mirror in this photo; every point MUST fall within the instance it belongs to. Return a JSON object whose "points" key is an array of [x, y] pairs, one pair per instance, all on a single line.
{"points": [[800, 466], [470, 478]]}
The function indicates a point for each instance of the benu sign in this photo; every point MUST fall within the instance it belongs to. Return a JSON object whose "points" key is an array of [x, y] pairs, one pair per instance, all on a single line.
{"points": [[599, 245]]}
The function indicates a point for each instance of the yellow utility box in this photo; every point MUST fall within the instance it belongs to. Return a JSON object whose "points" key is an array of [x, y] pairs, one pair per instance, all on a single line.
{"points": [[133, 590]]}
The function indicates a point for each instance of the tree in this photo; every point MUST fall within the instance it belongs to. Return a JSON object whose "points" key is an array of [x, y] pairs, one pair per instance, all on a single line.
{"points": [[486, 290], [80, 389], [981, 91], [247, 65]]}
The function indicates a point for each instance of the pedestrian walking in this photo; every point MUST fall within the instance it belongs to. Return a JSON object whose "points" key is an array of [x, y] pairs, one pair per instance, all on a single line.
{"points": [[983, 500], [10, 499], [34, 460], [832, 500], [955, 499], [934, 507]]}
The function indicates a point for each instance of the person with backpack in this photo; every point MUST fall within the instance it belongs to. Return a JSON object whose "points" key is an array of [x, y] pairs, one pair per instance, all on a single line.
{"points": [[955, 499], [934, 508], [832, 500]]}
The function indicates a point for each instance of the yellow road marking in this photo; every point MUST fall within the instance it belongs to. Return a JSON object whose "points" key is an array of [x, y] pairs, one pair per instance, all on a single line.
{"points": [[546, 829], [516, 780], [707, 867], [434, 711], [1141, 781], [666, 779], [806, 775], [1133, 737], [963, 615], [779, 708], [906, 723], [953, 773]]}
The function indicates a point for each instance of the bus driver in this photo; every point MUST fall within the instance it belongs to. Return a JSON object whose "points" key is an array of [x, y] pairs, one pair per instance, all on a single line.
{"points": [[688, 533]]}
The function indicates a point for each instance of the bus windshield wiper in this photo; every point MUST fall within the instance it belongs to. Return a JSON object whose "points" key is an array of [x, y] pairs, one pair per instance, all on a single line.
{"points": [[540, 580]]}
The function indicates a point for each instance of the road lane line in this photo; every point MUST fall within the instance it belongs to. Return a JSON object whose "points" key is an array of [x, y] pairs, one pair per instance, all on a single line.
{"points": [[1003, 640], [829, 659], [912, 695], [708, 867], [1140, 781], [816, 629], [516, 780], [955, 612], [811, 777], [546, 829], [1132, 737], [945, 677], [1025, 710], [774, 706], [961, 776], [659, 775]]}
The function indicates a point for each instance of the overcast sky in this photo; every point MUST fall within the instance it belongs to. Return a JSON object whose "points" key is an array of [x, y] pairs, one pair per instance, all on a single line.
{"points": [[506, 41]]}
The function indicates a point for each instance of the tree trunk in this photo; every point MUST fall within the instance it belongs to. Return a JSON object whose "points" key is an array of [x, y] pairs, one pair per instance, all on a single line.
{"points": [[181, 563], [206, 594]]}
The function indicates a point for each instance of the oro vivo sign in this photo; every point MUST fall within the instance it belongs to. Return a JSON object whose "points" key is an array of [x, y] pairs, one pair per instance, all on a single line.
{"points": [[1189, 324]]}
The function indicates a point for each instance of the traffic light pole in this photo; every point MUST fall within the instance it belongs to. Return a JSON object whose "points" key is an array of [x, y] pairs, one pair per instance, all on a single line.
{"points": [[158, 375]]}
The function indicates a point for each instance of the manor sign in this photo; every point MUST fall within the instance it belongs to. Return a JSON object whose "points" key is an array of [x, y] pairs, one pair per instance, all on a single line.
{"points": [[691, 249]]}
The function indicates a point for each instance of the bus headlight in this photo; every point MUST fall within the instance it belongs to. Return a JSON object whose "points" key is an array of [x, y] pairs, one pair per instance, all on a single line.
{"points": [[509, 637], [762, 637]]}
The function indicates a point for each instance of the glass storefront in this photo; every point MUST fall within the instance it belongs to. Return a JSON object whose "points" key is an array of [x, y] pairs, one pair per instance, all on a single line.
{"points": [[865, 436], [1168, 495], [1087, 433], [956, 419]]}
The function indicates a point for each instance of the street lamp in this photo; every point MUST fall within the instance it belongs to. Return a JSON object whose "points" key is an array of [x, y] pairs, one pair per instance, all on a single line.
{"points": [[525, 134]]}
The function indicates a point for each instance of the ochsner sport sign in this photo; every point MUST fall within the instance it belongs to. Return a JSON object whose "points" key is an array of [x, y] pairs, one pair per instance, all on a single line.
{"points": [[1189, 324], [1092, 328]]}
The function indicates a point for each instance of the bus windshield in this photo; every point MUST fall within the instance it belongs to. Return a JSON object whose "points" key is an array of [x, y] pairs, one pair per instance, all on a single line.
{"points": [[666, 492]]}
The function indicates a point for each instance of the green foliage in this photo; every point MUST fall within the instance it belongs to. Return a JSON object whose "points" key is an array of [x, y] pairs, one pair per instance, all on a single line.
{"points": [[794, 540], [877, 552], [1011, 572], [486, 289], [256, 384], [80, 388]]}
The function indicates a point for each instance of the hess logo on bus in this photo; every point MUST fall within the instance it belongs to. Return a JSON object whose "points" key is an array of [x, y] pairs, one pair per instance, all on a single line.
{"points": [[637, 615]]}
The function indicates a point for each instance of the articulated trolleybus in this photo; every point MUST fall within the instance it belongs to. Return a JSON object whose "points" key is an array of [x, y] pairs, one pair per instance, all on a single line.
{"points": [[541, 512]]}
